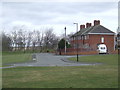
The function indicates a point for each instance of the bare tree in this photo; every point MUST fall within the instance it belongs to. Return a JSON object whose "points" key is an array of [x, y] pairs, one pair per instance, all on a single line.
{"points": [[29, 39], [39, 39], [14, 39], [19, 38], [48, 36], [34, 40], [6, 42], [55, 42], [50, 39], [24, 37]]}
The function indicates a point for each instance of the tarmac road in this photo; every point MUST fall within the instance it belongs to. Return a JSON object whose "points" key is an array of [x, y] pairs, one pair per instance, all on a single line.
{"points": [[46, 59]]}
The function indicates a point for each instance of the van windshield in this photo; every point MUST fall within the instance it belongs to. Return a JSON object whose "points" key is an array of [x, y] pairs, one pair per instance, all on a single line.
{"points": [[102, 47]]}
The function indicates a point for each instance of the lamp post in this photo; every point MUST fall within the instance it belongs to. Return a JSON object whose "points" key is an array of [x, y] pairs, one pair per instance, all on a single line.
{"points": [[118, 42], [65, 40], [77, 39]]}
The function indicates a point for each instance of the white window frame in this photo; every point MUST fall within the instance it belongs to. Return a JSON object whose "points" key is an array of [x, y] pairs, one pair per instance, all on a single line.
{"points": [[102, 39]]}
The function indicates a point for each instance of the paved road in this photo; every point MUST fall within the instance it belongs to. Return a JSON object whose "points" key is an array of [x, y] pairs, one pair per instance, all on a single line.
{"points": [[45, 59]]}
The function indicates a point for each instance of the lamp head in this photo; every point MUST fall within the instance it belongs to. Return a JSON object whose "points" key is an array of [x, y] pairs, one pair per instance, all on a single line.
{"points": [[65, 28]]}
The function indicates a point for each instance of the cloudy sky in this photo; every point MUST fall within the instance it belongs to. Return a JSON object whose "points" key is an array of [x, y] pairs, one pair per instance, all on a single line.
{"points": [[57, 15]]}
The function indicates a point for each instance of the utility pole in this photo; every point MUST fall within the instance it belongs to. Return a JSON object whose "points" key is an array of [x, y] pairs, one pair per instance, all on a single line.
{"points": [[77, 39], [65, 40]]}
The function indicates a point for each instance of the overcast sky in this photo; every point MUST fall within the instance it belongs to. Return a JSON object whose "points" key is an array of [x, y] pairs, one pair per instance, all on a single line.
{"points": [[57, 15]]}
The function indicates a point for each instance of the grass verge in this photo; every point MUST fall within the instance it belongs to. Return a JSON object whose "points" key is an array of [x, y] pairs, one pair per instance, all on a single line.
{"points": [[105, 59], [8, 58], [96, 76]]}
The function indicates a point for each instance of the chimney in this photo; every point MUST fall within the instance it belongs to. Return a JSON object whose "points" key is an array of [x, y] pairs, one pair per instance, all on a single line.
{"points": [[96, 22], [88, 25], [82, 26]]}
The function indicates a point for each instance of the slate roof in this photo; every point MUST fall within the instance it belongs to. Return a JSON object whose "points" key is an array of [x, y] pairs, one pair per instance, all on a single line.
{"points": [[98, 29]]}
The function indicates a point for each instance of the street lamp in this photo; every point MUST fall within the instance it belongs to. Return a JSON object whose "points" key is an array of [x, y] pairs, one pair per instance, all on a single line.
{"points": [[65, 40], [77, 39]]}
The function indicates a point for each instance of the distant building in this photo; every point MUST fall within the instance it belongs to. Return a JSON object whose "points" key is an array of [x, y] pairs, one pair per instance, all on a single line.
{"points": [[90, 36]]}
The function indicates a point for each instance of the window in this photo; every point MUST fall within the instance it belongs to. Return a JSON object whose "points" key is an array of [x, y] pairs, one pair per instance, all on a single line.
{"points": [[79, 37], [75, 45], [73, 38], [82, 37], [85, 37], [102, 39], [102, 47], [86, 45]]}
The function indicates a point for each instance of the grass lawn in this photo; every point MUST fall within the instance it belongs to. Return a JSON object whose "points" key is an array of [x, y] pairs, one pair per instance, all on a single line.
{"points": [[96, 76], [15, 57], [105, 59]]}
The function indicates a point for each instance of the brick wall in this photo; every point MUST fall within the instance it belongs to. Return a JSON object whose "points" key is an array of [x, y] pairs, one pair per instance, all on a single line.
{"points": [[108, 41], [80, 53], [96, 39], [85, 53]]}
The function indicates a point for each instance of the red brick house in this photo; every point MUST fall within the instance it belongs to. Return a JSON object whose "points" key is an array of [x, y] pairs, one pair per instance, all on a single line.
{"points": [[89, 37]]}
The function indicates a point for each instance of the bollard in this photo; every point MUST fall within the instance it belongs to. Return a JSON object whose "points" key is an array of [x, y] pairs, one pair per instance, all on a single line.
{"points": [[34, 57]]}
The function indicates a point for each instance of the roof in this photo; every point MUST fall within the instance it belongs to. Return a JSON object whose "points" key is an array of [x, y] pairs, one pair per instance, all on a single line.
{"points": [[98, 29]]}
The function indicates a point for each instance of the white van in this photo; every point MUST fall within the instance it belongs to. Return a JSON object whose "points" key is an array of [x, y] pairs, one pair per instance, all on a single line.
{"points": [[102, 49]]}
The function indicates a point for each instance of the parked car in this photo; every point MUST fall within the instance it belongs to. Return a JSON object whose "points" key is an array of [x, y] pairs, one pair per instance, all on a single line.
{"points": [[102, 49]]}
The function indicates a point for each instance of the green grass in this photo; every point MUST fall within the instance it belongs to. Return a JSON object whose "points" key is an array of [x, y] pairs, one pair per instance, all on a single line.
{"points": [[10, 57], [96, 76], [105, 59]]}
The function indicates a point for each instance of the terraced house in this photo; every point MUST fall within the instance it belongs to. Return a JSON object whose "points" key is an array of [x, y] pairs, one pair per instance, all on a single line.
{"points": [[90, 36]]}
